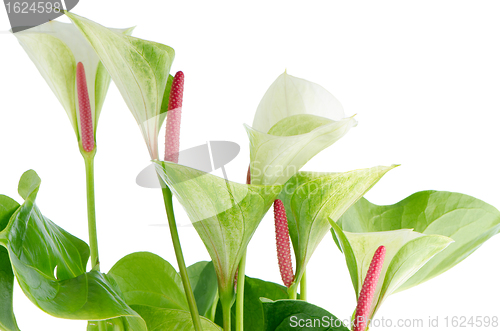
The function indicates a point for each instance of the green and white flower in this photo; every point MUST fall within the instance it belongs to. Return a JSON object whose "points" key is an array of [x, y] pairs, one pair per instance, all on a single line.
{"points": [[139, 68], [425, 234], [56, 48], [295, 120]]}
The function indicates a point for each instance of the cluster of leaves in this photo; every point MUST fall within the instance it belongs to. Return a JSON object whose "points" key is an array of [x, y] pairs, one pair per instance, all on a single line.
{"points": [[140, 292], [144, 292]]}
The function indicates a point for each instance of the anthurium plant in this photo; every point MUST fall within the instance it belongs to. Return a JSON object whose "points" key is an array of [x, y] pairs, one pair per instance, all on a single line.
{"points": [[387, 248]]}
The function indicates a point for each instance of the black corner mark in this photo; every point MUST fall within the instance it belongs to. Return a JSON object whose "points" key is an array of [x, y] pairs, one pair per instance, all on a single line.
{"points": [[26, 14]]}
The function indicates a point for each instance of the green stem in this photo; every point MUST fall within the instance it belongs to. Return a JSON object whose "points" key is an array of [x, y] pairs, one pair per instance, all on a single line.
{"points": [[91, 218], [303, 287], [292, 292], [167, 198], [89, 171], [226, 303], [240, 294], [213, 310]]}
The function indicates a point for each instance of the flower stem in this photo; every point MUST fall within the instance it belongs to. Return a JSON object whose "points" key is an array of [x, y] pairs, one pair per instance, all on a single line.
{"points": [[213, 309], [303, 287], [167, 198], [240, 294], [89, 172], [91, 218], [226, 303], [292, 292]]}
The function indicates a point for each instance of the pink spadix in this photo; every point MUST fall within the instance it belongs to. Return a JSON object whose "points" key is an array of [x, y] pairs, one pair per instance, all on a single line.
{"points": [[172, 136], [86, 126], [365, 299], [283, 243]]}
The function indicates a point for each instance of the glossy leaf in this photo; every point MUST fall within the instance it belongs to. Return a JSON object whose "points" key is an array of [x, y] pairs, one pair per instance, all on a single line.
{"points": [[204, 283], [140, 70], [7, 319], [310, 198], [49, 264], [290, 315], [467, 220], [255, 289], [225, 214], [55, 48], [161, 319], [406, 252], [146, 279]]}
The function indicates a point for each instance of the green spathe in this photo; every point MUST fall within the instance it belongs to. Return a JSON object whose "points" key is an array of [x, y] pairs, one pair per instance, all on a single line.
{"points": [[310, 198], [56, 48], [225, 214], [465, 219], [295, 120], [139, 68], [406, 252], [278, 155]]}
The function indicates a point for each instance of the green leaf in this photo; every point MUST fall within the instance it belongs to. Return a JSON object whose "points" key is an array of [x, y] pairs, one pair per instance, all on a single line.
{"points": [[406, 252], [225, 214], [140, 70], [161, 319], [146, 279], [467, 220], [310, 198], [284, 315], [49, 264], [204, 283], [55, 48], [255, 289], [7, 319]]}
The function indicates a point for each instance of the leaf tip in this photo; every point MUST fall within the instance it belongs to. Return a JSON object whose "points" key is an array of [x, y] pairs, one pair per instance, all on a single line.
{"points": [[29, 182]]}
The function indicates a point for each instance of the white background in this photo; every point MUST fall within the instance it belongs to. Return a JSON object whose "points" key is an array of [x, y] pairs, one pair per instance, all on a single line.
{"points": [[423, 77]]}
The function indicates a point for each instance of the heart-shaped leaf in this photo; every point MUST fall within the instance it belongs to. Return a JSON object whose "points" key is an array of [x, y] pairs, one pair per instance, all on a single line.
{"points": [[152, 287], [291, 315], [49, 264], [203, 280], [310, 198], [140, 70], [467, 220], [225, 214], [146, 279]]}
